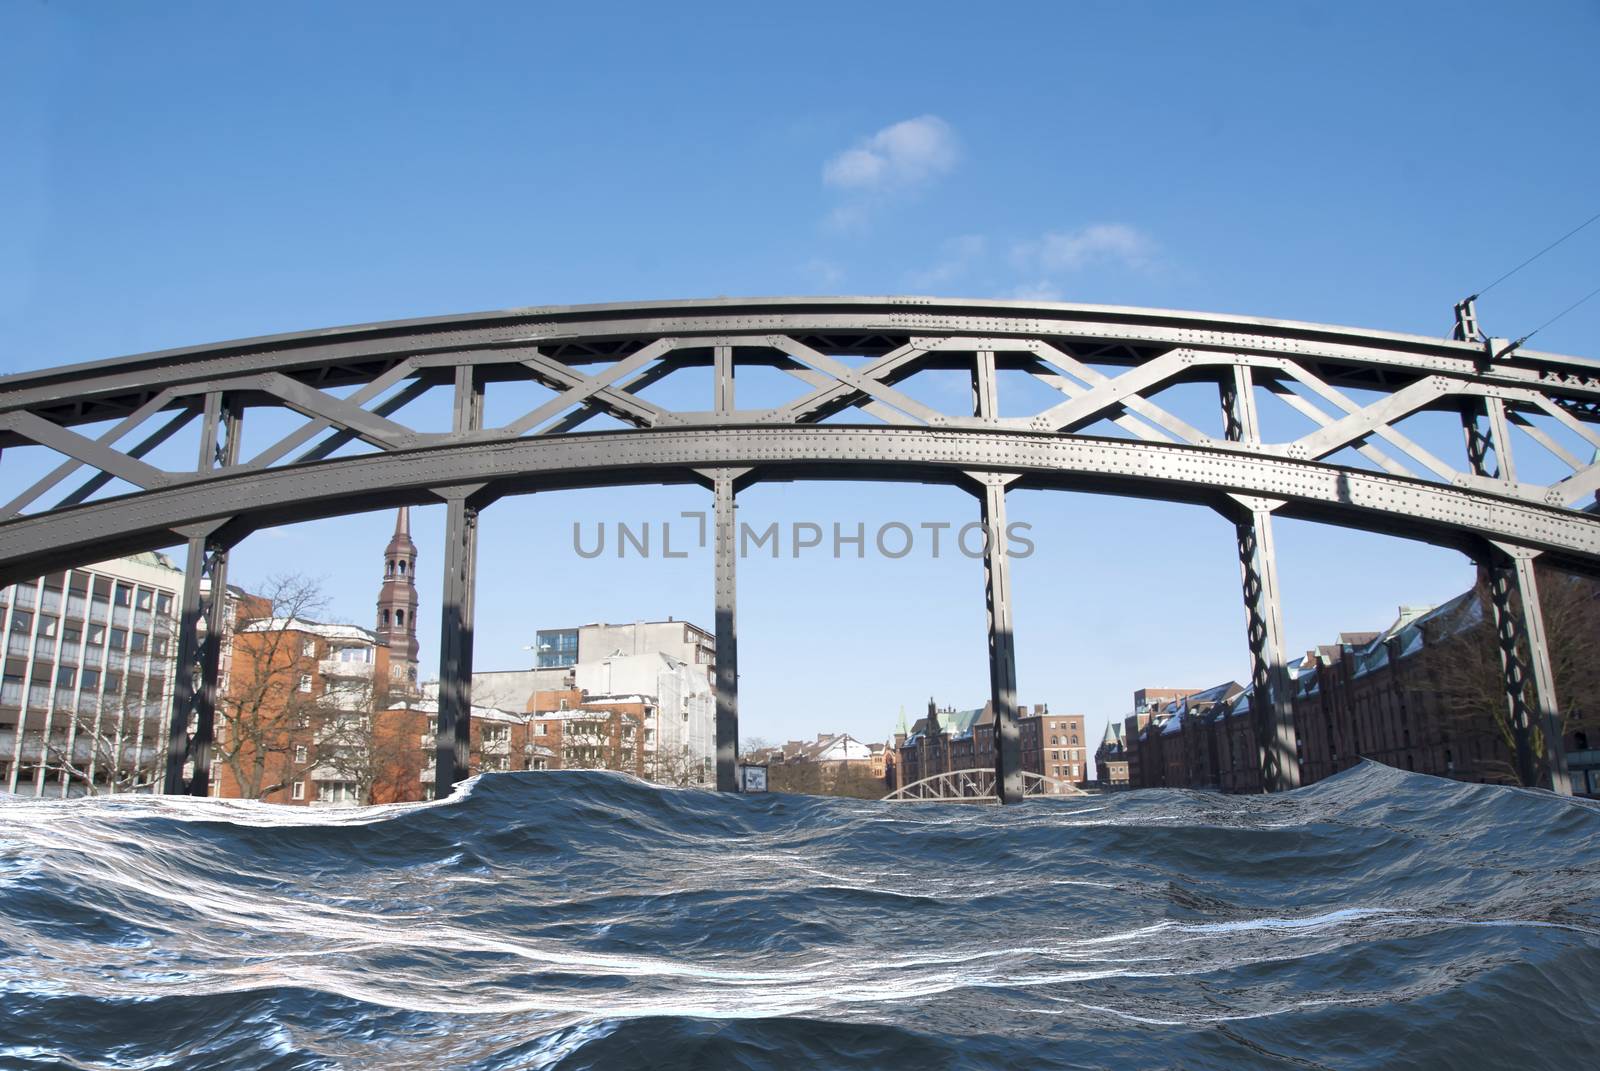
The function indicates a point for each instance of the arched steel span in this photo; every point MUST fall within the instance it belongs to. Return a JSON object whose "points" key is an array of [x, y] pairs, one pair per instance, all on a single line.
{"points": [[343, 444]]}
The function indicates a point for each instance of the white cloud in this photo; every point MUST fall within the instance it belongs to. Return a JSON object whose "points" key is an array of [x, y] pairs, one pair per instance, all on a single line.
{"points": [[1040, 290], [905, 154], [957, 257], [1098, 243], [825, 273]]}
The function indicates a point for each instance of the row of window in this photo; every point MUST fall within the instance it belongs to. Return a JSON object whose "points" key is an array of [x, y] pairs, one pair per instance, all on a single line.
{"points": [[125, 596], [67, 680], [327, 791]]}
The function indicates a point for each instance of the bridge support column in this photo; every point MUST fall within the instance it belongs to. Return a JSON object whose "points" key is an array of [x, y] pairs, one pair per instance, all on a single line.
{"points": [[1514, 602], [1271, 692], [202, 621], [1002, 641], [453, 741], [990, 488], [726, 549], [1525, 660]]}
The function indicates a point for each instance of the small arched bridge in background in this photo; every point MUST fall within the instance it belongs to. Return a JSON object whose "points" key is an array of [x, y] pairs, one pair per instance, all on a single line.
{"points": [[338, 402], [978, 786]]}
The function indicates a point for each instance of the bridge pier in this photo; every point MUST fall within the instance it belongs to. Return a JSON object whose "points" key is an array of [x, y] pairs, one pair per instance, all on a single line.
{"points": [[194, 699], [724, 534], [1518, 620], [1271, 692], [991, 492], [453, 741], [1514, 603], [1002, 641]]}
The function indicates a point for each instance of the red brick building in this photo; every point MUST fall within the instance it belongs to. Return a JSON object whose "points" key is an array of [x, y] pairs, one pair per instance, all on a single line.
{"points": [[1422, 695], [1053, 745]]}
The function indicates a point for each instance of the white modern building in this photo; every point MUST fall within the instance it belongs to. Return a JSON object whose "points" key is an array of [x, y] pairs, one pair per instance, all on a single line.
{"points": [[90, 661], [670, 665]]}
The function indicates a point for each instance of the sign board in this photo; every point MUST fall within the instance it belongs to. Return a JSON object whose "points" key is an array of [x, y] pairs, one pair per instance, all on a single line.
{"points": [[752, 778]]}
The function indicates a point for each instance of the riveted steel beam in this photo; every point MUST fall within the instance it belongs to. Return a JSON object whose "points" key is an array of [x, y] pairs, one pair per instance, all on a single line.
{"points": [[1449, 516], [342, 355]]}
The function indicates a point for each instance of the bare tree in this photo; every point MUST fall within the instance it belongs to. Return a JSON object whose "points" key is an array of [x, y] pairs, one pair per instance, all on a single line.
{"points": [[352, 738], [1466, 682], [105, 754], [669, 766], [267, 705]]}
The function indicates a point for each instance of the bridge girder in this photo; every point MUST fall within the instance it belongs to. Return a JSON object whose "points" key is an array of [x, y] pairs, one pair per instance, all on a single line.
{"points": [[248, 500]]}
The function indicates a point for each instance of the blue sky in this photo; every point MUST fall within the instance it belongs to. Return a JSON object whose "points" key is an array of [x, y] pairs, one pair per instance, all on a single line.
{"points": [[183, 173]]}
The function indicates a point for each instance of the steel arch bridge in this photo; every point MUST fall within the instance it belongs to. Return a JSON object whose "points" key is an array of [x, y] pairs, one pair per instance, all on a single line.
{"points": [[978, 786], [338, 401]]}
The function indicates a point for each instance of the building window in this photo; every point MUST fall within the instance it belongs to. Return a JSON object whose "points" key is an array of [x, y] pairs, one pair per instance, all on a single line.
{"points": [[556, 648], [300, 753], [399, 619], [402, 567], [308, 647], [305, 682], [383, 618], [298, 792]]}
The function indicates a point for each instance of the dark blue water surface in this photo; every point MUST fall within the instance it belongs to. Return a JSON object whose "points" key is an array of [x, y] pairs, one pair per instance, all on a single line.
{"points": [[586, 920]]}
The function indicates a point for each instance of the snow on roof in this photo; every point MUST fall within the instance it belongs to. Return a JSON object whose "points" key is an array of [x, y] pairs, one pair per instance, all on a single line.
{"points": [[431, 706], [617, 700], [316, 628]]}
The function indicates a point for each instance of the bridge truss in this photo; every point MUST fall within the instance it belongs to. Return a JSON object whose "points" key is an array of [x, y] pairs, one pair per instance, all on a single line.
{"points": [[346, 413], [978, 786]]}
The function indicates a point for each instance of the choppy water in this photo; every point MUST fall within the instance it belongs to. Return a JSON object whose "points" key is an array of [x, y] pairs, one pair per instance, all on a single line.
{"points": [[579, 920]]}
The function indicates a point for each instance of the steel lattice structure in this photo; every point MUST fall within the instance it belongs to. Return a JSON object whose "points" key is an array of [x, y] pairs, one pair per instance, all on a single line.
{"points": [[855, 414], [977, 786]]}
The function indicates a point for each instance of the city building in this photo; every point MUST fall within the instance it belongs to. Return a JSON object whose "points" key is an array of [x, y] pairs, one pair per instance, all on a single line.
{"points": [[833, 763], [946, 740], [1111, 758], [303, 706], [1425, 694], [669, 666], [87, 686]]}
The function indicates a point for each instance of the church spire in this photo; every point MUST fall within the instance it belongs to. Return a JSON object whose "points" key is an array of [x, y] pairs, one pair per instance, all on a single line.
{"points": [[397, 599]]}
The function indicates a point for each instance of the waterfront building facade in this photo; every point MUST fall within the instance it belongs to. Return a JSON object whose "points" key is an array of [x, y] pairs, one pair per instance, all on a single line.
{"points": [[88, 676], [303, 706], [670, 665], [1422, 695], [946, 740]]}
